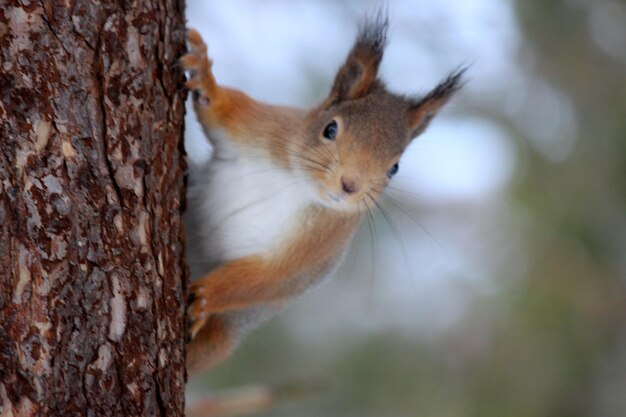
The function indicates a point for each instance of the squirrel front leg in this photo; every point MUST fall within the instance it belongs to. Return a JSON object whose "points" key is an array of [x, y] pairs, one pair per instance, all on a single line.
{"points": [[261, 279], [236, 285]]}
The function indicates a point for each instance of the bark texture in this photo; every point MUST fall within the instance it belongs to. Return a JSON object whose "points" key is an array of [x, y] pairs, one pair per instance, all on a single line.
{"points": [[92, 277]]}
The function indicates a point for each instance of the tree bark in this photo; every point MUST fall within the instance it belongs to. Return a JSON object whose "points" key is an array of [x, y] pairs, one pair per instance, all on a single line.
{"points": [[92, 276]]}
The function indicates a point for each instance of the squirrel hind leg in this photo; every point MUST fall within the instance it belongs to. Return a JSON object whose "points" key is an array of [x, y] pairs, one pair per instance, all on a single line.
{"points": [[211, 345], [197, 62]]}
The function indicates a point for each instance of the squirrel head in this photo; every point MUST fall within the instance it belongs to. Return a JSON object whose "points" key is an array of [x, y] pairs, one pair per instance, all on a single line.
{"points": [[358, 134]]}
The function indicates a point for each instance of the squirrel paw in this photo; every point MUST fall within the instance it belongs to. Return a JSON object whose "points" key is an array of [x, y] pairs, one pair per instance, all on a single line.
{"points": [[197, 310], [197, 62]]}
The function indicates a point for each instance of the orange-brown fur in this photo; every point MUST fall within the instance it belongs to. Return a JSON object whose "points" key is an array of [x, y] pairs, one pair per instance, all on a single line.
{"points": [[374, 127]]}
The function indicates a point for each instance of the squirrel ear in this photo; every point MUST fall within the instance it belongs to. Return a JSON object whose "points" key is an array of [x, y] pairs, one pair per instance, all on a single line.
{"points": [[355, 78], [422, 111]]}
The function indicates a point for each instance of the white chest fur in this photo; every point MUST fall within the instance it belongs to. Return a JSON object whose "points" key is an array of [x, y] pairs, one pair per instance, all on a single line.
{"points": [[245, 205]]}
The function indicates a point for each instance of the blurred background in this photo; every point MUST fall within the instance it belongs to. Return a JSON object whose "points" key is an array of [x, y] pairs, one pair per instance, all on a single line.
{"points": [[497, 285]]}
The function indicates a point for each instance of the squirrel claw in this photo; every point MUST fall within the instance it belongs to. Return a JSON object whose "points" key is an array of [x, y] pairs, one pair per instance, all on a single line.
{"points": [[197, 324], [197, 312]]}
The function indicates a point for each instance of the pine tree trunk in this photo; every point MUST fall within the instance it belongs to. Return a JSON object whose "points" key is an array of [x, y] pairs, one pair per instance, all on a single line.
{"points": [[92, 276]]}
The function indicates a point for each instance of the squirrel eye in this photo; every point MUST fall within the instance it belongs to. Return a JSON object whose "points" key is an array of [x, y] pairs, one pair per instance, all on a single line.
{"points": [[393, 170], [330, 131]]}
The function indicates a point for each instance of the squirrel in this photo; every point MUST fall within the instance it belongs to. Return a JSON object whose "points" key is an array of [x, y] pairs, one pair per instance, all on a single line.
{"points": [[274, 209]]}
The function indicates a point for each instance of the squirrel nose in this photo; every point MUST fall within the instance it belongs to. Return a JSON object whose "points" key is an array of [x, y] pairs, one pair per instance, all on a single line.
{"points": [[348, 185]]}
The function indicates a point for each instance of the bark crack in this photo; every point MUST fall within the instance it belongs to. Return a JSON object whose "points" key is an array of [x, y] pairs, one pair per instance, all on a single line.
{"points": [[77, 32], [161, 43], [101, 98], [51, 28]]}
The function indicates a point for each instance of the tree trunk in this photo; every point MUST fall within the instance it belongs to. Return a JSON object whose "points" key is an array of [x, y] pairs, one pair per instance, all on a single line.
{"points": [[92, 276]]}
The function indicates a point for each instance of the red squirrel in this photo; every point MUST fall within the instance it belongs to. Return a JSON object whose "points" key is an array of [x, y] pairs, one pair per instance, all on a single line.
{"points": [[275, 208]]}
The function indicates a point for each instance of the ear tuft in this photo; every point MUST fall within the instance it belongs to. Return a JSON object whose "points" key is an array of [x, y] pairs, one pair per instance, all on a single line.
{"points": [[355, 78], [373, 33], [423, 110]]}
